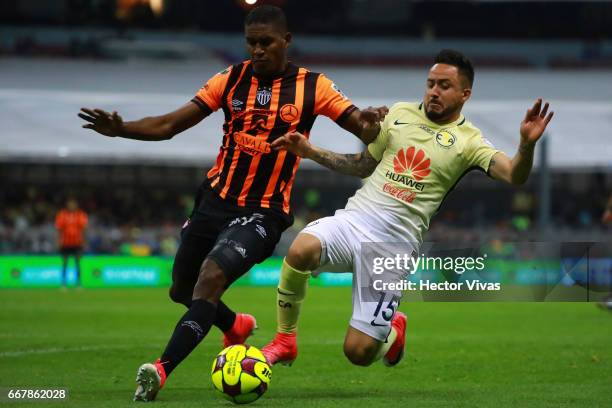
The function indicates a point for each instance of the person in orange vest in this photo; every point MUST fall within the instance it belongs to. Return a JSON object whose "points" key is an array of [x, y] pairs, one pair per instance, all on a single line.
{"points": [[70, 223]]}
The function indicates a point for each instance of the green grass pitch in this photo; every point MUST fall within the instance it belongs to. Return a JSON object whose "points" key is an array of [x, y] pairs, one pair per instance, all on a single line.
{"points": [[458, 354]]}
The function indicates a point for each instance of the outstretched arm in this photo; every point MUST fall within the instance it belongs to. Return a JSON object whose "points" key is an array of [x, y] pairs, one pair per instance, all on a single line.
{"points": [[150, 128], [516, 170], [359, 164]]}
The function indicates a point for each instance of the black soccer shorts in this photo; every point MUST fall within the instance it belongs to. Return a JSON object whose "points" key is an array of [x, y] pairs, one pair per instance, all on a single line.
{"points": [[236, 238]]}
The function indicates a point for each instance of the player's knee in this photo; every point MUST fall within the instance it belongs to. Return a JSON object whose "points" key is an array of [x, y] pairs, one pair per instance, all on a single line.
{"points": [[361, 355], [211, 282], [178, 296], [304, 253]]}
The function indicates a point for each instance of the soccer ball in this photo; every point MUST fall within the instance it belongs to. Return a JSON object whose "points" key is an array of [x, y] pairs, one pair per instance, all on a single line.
{"points": [[241, 373]]}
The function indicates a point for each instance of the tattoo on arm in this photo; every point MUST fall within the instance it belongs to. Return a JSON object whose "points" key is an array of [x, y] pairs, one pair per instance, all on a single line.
{"points": [[360, 164]]}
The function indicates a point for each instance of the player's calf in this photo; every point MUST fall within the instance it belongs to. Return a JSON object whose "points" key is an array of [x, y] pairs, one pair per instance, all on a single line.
{"points": [[211, 282]]}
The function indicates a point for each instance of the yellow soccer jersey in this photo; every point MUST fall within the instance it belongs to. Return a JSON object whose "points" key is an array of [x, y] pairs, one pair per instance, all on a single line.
{"points": [[419, 163]]}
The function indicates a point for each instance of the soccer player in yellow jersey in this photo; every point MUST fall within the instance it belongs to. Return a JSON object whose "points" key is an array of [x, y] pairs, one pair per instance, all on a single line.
{"points": [[423, 149]]}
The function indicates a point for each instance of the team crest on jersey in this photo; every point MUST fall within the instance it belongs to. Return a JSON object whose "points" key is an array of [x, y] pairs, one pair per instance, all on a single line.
{"points": [[445, 138], [413, 162], [264, 95], [289, 112]]}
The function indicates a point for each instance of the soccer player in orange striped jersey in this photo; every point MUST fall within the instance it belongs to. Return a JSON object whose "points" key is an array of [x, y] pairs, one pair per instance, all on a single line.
{"points": [[243, 204]]}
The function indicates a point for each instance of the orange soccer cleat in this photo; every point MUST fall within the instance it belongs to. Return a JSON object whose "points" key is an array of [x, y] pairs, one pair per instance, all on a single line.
{"points": [[283, 349], [396, 352], [243, 327]]}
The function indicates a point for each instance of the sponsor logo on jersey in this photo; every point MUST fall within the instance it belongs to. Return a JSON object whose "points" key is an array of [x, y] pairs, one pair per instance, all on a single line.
{"points": [[405, 194], [398, 123], [237, 105], [252, 145], [289, 113], [413, 162], [427, 129], [404, 179], [410, 166]]}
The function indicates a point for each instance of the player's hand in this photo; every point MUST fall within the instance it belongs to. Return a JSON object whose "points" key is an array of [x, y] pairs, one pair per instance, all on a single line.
{"points": [[535, 122], [293, 142], [370, 117], [108, 124]]}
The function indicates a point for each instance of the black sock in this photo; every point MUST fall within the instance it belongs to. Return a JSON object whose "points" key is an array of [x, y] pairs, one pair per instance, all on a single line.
{"points": [[189, 332], [225, 317]]}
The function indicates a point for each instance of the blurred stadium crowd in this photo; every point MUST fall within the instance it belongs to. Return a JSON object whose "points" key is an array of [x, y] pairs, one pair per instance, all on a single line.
{"points": [[140, 212], [141, 220]]}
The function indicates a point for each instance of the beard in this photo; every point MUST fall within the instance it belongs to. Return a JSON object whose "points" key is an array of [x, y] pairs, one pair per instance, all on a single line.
{"points": [[437, 115]]}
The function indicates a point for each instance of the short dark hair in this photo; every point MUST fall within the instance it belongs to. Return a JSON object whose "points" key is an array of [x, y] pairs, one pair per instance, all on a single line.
{"points": [[267, 15], [457, 59]]}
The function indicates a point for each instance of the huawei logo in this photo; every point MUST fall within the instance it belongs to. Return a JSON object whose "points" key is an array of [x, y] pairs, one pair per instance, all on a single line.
{"points": [[413, 161]]}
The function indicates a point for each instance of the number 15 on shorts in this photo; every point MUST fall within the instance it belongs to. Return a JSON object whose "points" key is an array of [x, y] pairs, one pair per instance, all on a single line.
{"points": [[385, 309]]}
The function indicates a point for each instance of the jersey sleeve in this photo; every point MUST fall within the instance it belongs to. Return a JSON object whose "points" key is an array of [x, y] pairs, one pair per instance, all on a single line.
{"points": [[378, 146], [209, 97], [330, 101], [481, 152]]}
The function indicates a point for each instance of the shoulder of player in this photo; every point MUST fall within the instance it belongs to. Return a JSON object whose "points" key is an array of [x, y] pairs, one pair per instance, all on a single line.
{"points": [[472, 136], [402, 110], [404, 107], [228, 70], [225, 72], [468, 130]]}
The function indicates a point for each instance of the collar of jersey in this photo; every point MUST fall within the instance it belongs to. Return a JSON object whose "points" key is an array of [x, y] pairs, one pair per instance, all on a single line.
{"points": [[273, 77]]}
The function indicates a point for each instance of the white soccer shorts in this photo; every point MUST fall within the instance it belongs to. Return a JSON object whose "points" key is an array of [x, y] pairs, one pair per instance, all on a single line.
{"points": [[342, 237]]}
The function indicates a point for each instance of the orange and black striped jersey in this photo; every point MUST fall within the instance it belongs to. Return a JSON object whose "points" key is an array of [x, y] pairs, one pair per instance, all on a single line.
{"points": [[247, 172]]}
